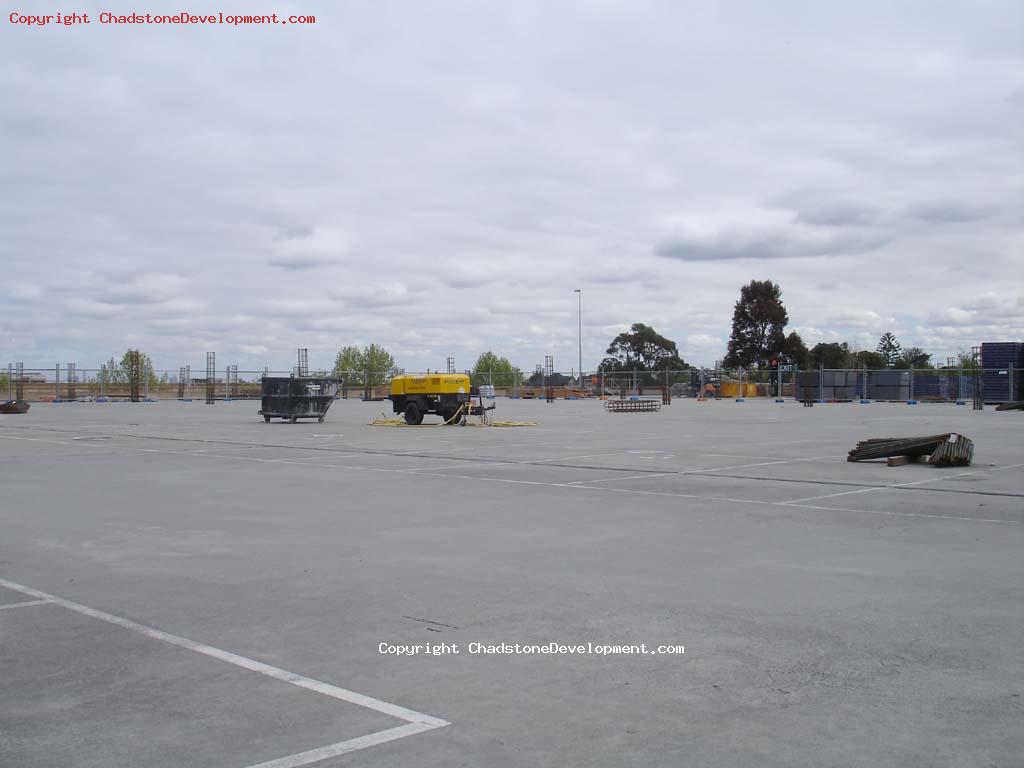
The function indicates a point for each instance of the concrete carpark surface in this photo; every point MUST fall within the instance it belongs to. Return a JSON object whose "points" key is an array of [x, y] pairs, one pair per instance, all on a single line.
{"points": [[186, 585]]}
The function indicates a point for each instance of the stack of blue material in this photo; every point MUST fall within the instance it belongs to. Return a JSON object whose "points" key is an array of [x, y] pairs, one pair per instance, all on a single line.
{"points": [[997, 358]]}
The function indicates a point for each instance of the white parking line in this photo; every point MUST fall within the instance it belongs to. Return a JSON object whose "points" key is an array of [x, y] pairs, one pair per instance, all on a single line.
{"points": [[587, 485], [24, 604], [417, 721], [833, 495], [645, 476], [686, 472], [938, 479], [344, 747], [568, 458], [899, 514]]}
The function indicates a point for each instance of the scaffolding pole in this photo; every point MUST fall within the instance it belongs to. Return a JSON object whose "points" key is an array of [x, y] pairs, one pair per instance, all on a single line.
{"points": [[211, 375]]}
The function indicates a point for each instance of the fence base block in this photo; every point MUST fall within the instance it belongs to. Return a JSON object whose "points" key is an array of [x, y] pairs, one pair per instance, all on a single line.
{"points": [[779, 400], [911, 402], [865, 402], [740, 400]]}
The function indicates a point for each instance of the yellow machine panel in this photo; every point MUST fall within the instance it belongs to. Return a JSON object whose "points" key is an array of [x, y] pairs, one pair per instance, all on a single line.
{"points": [[431, 384]]}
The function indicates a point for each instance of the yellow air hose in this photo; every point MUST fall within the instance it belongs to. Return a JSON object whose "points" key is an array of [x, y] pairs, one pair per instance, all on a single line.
{"points": [[383, 421]]}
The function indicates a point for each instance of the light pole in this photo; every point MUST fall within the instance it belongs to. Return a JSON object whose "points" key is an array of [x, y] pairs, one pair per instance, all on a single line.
{"points": [[579, 337]]}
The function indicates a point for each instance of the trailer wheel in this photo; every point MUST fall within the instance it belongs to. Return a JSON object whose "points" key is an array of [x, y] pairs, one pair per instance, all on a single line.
{"points": [[413, 415], [266, 419]]}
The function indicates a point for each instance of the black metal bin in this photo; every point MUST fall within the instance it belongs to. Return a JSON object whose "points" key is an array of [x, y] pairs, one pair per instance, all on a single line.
{"points": [[296, 397]]}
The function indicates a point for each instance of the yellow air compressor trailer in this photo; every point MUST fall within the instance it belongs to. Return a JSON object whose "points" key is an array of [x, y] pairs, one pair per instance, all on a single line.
{"points": [[446, 394]]}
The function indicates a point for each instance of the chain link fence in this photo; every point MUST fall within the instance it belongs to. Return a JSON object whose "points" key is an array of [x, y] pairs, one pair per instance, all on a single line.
{"points": [[63, 383]]}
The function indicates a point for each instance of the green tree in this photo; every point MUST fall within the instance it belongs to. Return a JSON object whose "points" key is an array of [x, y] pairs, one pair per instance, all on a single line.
{"points": [[145, 367], [914, 357], [348, 360], [890, 349], [832, 355], [967, 360], [356, 362], [642, 349], [380, 364], [489, 368], [758, 320], [795, 351], [112, 373], [119, 372], [868, 359]]}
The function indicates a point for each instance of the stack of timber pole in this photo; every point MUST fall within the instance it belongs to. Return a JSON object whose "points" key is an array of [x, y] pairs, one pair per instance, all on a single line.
{"points": [[946, 450], [1014, 405]]}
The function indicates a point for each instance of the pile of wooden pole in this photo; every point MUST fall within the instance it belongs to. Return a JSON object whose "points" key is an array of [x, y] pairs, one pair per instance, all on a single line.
{"points": [[949, 449]]}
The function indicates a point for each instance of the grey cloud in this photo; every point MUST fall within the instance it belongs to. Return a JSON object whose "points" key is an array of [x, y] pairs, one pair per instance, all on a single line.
{"points": [[490, 175], [734, 245], [950, 212], [129, 296], [383, 294], [300, 262], [838, 214], [466, 282]]}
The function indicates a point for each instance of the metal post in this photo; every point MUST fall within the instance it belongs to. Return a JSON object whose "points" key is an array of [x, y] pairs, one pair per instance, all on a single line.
{"points": [[1009, 395], [56, 384], [911, 401], [821, 382], [72, 380], [10, 381], [145, 377], [549, 372], [579, 337]]}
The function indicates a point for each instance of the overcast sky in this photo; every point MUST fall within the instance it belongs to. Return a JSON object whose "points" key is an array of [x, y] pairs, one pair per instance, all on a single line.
{"points": [[439, 177]]}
